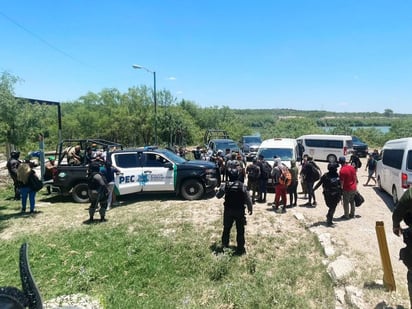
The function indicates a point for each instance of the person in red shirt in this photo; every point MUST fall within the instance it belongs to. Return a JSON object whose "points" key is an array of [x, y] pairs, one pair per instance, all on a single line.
{"points": [[348, 179]]}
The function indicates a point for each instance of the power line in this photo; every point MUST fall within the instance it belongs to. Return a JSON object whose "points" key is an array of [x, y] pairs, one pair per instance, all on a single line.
{"points": [[38, 37]]}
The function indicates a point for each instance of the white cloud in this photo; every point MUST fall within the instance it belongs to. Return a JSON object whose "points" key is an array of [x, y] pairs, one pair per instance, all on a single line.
{"points": [[171, 78]]}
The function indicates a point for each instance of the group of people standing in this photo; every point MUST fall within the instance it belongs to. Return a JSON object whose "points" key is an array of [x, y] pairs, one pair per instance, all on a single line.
{"points": [[101, 179], [24, 180], [339, 183]]}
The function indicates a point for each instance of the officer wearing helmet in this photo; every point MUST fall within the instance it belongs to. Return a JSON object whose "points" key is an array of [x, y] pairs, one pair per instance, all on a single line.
{"points": [[236, 197], [98, 191], [12, 164]]}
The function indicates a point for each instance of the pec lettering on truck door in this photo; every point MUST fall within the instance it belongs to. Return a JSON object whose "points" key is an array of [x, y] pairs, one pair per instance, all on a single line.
{"points": [[131, 179]]}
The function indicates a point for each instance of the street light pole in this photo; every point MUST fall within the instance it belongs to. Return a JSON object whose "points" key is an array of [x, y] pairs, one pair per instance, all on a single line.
{"points": [[136, 66]]}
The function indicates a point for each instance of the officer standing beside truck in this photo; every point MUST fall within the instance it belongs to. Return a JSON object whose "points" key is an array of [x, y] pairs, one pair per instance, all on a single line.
{"points": [[98, 190], [12, 165]]}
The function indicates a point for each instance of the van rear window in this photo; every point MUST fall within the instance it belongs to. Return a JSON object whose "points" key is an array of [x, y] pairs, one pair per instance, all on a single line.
{"points": [[393, 158]]}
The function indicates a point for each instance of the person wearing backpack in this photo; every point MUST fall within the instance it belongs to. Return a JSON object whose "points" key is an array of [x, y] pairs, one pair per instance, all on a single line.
{"points": [[265, 170], [253, 175], [332, 191], [355, 161], [236, 197], [293, 187], [280, 186], [312, 173], [371, 167], [24, 173]]}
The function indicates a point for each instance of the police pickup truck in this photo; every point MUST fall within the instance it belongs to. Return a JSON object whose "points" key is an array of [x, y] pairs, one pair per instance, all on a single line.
{"points": [[144, 169]]}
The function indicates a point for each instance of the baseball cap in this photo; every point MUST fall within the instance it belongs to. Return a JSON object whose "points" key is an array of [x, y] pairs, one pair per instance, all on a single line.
{"points": [[342, 160]]}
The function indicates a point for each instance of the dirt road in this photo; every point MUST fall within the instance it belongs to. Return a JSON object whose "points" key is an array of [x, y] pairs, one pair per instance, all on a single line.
{"points": [[357, 239]]}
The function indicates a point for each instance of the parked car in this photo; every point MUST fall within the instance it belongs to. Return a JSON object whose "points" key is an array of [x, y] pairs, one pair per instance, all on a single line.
{"points": [[143, 169], [250, 145], [359, 147]]}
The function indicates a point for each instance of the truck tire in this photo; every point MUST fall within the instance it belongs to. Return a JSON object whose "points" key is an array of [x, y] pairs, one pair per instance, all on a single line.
{"points": [[80, 193], [192, 189]]}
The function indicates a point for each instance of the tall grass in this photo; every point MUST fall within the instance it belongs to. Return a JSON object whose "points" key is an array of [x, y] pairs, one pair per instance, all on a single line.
{"points": [[141, 263]]}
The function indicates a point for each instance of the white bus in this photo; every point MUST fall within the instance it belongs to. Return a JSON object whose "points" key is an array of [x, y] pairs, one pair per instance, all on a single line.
{"points": [[324, 147], [394, 170]]}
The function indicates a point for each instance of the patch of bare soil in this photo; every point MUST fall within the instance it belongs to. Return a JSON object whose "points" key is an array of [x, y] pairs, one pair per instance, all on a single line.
{"points": [[355, 238]]}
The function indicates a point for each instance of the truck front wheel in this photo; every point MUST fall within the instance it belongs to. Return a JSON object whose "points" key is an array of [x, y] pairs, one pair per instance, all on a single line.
{"points": [[192, 189], [80, 193]]}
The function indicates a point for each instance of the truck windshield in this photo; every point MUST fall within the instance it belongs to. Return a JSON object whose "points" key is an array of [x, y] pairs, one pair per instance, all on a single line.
{"points": [[252, 140], [285, 154], [173, 157]]}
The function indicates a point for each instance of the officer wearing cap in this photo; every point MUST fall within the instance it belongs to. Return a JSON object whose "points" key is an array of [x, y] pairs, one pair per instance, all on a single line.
{"points": [[12, 164], [236, 196]]}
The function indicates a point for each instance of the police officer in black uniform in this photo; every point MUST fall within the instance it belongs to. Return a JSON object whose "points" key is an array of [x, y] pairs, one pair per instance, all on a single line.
{"points": [[12, 164], [236, 196], [98, 191], [403, 212]]}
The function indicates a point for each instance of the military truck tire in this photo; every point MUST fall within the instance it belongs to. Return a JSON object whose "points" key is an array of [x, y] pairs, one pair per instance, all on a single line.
{"points": [[192, 189], [79, 193]]}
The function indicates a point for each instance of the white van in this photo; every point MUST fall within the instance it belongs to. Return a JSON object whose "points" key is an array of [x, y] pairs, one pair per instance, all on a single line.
{"points": [[325, 147], [284, 148], [394, 170]]}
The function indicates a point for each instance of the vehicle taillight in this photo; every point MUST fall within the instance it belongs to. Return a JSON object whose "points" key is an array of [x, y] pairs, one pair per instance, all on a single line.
{"points": [[344, 151], [404, 181]]}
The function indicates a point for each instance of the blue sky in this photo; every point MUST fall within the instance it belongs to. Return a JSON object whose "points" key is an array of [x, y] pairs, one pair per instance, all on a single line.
{"points": [[346, 55]]}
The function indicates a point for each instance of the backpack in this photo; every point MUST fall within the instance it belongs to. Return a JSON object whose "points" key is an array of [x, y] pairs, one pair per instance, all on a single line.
{"points": [[35, 183], [253, 172], [285, 177], [332, 186], [266, 169], [355, 160], [313, 173], [234, 197], [316, 173]]}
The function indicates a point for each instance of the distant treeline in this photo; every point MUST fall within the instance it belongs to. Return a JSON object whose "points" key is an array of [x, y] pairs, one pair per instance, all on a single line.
{"points": [[129, 118]]}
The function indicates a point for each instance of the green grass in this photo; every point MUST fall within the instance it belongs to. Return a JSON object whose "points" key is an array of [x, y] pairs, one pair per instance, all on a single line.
{"points": [[142, 264]]}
